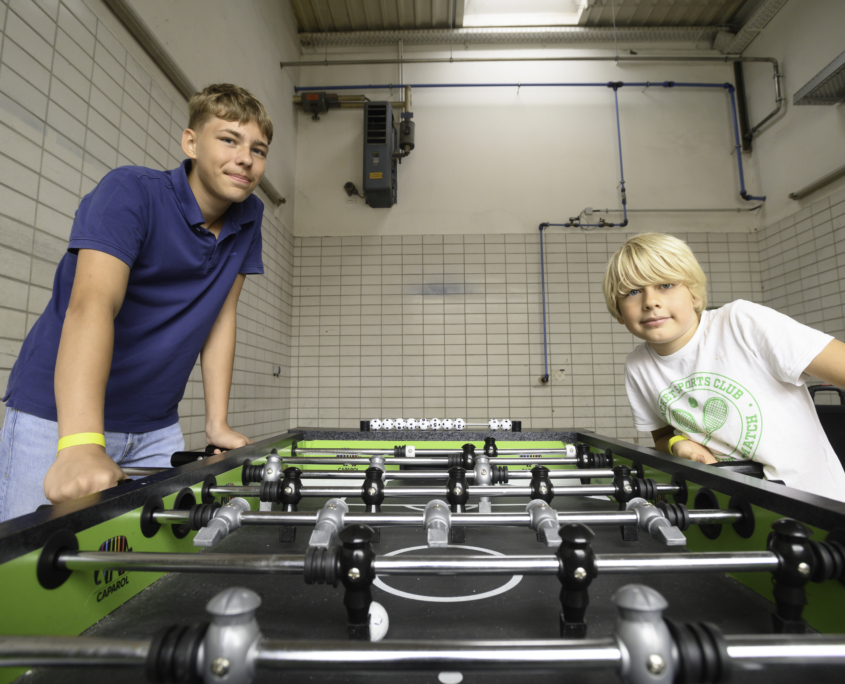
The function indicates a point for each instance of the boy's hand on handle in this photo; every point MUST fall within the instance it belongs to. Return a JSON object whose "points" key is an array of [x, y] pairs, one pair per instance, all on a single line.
{"points": [[226, 438], [693, 451], [79, 471]]}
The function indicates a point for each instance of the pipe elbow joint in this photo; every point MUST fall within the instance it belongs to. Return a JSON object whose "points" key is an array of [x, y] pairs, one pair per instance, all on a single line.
{"points": [[543, 226], [624, 223]]}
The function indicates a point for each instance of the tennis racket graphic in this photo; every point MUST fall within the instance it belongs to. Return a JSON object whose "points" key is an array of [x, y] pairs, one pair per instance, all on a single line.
{"points": [[715, 415], [685, 421]]}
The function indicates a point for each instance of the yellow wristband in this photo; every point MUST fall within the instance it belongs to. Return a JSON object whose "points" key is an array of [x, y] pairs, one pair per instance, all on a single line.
{"points": [[674, 440], [82, 438]]}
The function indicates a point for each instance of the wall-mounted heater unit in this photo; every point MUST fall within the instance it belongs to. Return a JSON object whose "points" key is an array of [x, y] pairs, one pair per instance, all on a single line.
{"points": [[379, 161]]}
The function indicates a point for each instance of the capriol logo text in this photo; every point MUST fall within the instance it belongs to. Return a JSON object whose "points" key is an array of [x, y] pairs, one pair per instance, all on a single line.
{"points": [[113, 544]]}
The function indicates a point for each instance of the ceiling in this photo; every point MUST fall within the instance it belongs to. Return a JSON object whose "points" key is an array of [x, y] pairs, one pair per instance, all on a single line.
{"points": [[329, 16]]}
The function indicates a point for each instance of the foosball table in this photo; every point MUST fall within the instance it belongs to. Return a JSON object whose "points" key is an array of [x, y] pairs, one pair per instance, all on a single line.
{"points": [[447, 556]]}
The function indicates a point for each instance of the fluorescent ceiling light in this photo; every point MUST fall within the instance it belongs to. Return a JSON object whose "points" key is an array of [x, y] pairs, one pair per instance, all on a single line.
{"points": [[522, 12]]}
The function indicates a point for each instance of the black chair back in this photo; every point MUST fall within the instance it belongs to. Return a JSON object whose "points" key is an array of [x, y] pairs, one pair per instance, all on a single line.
{"points": [[832, 418]]}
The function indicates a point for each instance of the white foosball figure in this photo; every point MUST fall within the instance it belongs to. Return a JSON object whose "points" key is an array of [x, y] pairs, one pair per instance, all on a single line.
{"points": [[448, 424], [571, 450], [412, 424], [375, 424], [507, 424], [424, 424], [388, 424], [493, 424], [460, 424], [400, 424], [435, 423]]}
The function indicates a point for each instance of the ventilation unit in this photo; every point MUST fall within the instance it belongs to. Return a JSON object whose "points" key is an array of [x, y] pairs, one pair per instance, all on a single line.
{"points": [[379, 162]]}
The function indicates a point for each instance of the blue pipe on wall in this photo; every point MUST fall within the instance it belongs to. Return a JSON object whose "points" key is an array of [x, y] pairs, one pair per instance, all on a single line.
{"points": [[621, 168], [602, 84], [613, 84], [604, 224], [575, 223], [742, 191], [545, 377], [390, 86]]}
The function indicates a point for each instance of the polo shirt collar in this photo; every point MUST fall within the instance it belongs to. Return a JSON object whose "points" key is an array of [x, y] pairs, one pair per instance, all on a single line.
{"points": [[185, 196], [238, 214]]}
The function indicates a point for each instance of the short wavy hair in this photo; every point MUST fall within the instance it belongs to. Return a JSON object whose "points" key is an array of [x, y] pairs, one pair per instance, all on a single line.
{"points": [[651, 259], [230, 103]]}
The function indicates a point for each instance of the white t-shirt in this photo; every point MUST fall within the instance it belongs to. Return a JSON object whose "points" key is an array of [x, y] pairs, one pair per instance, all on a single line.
{"points": [[737, 387]]}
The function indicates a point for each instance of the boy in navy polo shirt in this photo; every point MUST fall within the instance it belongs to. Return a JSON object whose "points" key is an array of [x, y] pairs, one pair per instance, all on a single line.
{"points": [[155, 265]]}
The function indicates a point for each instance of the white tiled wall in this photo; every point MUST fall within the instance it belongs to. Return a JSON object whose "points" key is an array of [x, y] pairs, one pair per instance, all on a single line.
{"points": [[451, 326], [75, 102], [802, 262]]}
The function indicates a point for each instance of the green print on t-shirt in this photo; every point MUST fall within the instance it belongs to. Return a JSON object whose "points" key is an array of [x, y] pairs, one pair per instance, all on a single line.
{"points": [[714, 403]]}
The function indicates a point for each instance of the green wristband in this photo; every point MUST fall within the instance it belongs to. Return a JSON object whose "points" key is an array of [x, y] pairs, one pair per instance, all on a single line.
{"points": [[674, 440]]}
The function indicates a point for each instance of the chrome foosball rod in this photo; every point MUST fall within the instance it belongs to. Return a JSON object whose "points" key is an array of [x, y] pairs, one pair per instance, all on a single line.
{"points": [[373, 487], [444, 475], [419, 461], [490, 448], [664, 522], [791, 556], [644, 647]]}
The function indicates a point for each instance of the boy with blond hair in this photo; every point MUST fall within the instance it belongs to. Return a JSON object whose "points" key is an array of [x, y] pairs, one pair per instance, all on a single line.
{"points": [[723, 384], [151, 279]]}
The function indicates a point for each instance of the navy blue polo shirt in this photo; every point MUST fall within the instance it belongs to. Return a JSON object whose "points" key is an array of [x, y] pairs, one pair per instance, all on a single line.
{"points": [[179, 278]]}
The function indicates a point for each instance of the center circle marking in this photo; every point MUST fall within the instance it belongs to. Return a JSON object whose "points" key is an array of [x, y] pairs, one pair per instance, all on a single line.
{"points": [[507, 586]]}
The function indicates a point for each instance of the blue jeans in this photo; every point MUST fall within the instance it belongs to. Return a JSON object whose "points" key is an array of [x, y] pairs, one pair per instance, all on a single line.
{"points": [[28, 449]]}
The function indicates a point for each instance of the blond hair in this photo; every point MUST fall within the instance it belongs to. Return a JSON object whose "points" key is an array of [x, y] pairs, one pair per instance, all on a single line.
{"points": [[230, 103], [651, 259]]}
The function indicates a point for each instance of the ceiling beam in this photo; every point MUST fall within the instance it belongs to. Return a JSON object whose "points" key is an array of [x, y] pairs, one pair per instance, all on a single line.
{"points": [[299, 14], [458, 12], [525, 35], [400, 13], [335, 24], [367, 17], [755, 24], [349, 14]]}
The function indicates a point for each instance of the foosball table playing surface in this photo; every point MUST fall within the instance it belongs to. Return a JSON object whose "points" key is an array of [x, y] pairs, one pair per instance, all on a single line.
{"points": [[495, 556]]}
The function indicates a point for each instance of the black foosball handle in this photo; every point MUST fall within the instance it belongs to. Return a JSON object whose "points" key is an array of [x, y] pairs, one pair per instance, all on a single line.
{"points": [[180, 458]]}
